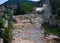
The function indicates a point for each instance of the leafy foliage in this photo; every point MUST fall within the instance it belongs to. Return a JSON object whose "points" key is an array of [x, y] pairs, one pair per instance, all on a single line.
{"points": [[51, 28], [2, 23], [27, 7], [23, 9], [5, 32]]}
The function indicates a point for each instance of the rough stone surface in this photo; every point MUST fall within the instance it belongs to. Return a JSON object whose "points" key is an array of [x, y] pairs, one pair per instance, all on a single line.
{"points": [[27, 32]]}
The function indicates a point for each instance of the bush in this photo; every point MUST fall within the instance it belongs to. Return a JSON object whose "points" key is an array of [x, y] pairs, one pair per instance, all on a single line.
{"points": [[5, 33], [51, 28]]}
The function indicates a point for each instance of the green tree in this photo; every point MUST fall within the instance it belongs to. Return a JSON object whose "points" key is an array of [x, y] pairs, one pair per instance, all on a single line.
{"points": [[18, 10], [27, 7]]}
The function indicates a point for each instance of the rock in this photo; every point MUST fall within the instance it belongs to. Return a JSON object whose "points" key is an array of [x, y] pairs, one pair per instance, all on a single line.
{"points": [[47, 35], [26, 40], [26, 20], [48, 38], [37, 19], [53, 36], [18, 20], [27, 24], [15, 32]]}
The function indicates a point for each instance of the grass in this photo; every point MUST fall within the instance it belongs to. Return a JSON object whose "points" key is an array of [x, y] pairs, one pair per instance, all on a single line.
{"points": [[51, 28]]}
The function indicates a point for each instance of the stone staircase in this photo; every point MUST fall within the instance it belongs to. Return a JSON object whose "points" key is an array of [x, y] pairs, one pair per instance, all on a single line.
{"points": [[28, 30]]}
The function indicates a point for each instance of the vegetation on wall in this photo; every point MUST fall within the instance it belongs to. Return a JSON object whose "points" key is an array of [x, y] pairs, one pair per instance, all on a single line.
{"points": [[51, 29], [5, 32], [56, 8]]}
